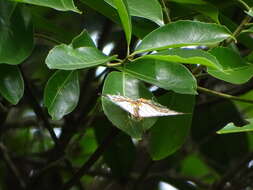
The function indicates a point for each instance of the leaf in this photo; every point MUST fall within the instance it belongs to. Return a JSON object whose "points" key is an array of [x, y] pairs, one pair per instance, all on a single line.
{"points": [[194, 166], [183, 33], [16, 33], [149, 9], [202, 7], [189, 56], [83, 40], [65, 57], [120, 83], [125, 18], [232, 128], [60, 5], [61, 94], [141, 27], [166, 75], [249, 12], [11, 83], [169, 133], [235, 69]]}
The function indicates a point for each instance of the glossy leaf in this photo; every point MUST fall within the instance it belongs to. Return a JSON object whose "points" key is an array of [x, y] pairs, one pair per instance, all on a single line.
{"points": [[11, 83], [236, 70], [120, 83], [65, 57], [189, 56], [61, 94], [60, 5], [141, 27], [169, 133], [122, 8], [83, 40], [166, 75], [183, 33], [16, 33], [232, 128], [149, 9], [249, 12]]}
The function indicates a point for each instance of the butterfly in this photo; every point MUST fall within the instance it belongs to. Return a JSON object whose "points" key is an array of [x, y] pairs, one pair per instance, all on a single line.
{"points": [[141, 108]]}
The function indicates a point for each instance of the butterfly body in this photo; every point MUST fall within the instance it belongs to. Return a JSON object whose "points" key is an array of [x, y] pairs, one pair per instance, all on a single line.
{"points": [[141, 108]]}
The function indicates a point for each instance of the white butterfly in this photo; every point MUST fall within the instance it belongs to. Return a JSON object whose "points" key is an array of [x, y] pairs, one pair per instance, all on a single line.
{"points": [[141, 107]]}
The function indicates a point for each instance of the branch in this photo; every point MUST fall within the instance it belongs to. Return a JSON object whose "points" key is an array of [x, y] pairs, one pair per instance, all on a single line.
{"points": [[225, 96], [238, 30], [232, 172], [143, 175], [93, 158], [167, 18], [41, 115], [48, 38], [12, 166]]}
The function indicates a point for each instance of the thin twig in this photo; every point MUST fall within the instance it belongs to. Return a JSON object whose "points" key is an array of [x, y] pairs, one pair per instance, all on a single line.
{"points": [[143, 175], [12, 166], [42, 116], [238, 30], [244, 4], [222, 95], [48, 38], [232, 172], [167, 18], [93, 158]]}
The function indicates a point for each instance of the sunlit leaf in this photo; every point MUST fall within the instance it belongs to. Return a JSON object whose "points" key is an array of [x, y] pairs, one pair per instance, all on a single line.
{"points": [[232, 128]]}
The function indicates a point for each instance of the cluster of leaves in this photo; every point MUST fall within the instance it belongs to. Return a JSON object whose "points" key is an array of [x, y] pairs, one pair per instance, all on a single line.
{"points": [[161, 56]]}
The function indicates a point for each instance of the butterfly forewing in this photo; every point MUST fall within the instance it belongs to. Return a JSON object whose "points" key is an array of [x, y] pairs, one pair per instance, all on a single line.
{"points": [[123, 102], [152, 110], [141, 108]]}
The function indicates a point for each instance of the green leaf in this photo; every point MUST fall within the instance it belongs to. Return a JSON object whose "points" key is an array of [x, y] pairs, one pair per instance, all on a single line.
{"points": [[194, 166], [67, 58], [189, 56], [166, 75], [120, 83], [141, 27], [183, 33], [249, 12], [16, 33], [61, 94], [202, 7], [149, 9], [60, 5], [169, 133], [83, 40], [11, 83], [122, 8], [235, 69], [232, 128]]}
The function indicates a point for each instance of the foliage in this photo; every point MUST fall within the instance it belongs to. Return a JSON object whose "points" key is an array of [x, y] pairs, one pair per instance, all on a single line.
{"points": [[58, 61]]}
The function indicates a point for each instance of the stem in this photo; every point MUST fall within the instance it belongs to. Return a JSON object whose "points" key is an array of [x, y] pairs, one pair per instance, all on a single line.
{"points": [[93, 158], [48, 38], [238, 30], [222, 95], [12, 166], [42, 116], [167, 18], [244, 4]]}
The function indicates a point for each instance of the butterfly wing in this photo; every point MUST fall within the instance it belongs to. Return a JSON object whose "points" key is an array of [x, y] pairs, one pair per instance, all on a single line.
{"points": [[123, 102], [152, 110]]}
